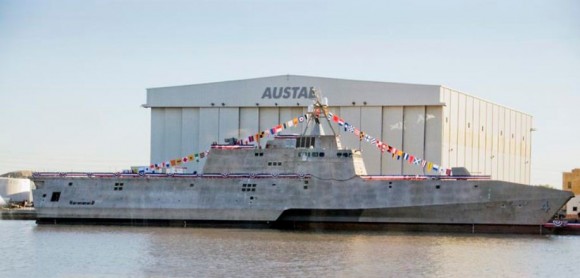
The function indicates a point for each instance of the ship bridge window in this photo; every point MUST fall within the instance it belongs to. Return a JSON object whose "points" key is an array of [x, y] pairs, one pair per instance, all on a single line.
{"points": [[344, 154], [310, 154], [305, 142]]}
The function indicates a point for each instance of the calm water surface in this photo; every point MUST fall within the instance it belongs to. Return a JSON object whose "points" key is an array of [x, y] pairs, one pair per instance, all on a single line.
{"points": [[92, 251]]}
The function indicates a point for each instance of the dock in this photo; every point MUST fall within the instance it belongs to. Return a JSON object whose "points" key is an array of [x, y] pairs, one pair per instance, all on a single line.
{"points": [[18, 214]]}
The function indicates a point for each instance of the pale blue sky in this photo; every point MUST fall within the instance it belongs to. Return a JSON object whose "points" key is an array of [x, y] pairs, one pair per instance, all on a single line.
{"points": [[73, 74]]}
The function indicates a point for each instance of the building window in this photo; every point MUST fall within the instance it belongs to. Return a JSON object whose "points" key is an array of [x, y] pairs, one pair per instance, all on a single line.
{"points": [[574, 208], [569, 185]]}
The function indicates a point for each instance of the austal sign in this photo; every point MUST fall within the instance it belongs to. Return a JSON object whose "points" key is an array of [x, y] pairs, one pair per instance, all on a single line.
{"points": [[288, 92]]}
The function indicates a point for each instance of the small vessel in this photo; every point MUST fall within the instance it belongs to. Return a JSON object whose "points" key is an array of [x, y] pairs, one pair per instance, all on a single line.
{"points": [[294, 181]]}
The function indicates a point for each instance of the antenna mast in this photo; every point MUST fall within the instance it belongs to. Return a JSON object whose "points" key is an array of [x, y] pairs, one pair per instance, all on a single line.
{"points": [[318, 110]]}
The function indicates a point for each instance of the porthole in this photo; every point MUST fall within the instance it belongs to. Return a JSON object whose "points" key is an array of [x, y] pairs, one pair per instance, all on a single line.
{"points": [[437, 186]]}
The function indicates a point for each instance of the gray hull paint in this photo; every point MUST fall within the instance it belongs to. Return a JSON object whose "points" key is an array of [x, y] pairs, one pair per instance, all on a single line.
{"points": [[329, 186], [210, 199]]}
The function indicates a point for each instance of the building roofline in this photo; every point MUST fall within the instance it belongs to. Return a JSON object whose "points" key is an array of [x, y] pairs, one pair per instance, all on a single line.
{"points": [[485, 100], [294, 75]]}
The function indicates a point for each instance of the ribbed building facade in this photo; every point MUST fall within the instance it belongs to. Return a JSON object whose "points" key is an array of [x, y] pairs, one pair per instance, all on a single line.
{"points": [[432, 122]]}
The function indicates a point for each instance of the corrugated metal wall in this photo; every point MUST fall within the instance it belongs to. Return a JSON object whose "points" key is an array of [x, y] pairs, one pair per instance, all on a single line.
{"points": [[486, 138]]}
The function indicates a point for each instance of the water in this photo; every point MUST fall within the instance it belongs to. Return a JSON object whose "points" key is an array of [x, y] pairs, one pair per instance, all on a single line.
{"points": [[102, 251]]}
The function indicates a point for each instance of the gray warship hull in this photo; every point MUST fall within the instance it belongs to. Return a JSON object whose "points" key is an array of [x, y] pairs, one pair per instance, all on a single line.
{"points": [[294, 201], [292, 181]]}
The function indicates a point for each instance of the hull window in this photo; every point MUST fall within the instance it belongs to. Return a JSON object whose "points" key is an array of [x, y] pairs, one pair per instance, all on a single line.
{"points": [[249, 187], [55, 197], [118, 186]]}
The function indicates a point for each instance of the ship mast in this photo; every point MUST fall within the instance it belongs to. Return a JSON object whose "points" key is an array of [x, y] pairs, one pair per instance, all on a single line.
{"points": [[316, 111]]}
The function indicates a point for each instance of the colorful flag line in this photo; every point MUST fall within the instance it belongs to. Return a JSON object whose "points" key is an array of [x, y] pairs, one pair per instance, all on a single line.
{"points": [[178, 161], [274, 130], [253, 138], [382, 146]]}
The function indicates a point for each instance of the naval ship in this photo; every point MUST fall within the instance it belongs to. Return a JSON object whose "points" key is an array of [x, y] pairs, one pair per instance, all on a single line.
{"points": [[305, 180]]}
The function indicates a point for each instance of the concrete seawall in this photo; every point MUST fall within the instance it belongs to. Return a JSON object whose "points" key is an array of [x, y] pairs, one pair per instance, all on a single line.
{"points": [[18, 214]]}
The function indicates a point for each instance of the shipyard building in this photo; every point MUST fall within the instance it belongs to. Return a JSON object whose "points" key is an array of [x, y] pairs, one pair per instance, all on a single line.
{"points": [[433, 122]]}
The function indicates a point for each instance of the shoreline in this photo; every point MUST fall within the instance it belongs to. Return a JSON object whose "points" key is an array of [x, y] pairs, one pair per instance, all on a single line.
{"points": [[18, 214]]}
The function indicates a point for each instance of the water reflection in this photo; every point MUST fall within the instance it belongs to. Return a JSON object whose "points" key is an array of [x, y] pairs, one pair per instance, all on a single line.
{"points": [[71, 251]]}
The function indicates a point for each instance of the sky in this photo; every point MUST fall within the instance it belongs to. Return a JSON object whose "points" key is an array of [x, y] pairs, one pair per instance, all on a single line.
{"points": [[73, 74]]}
